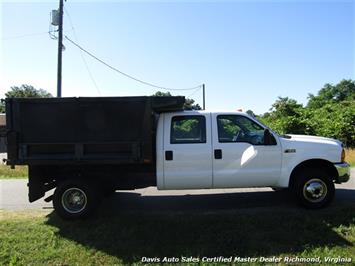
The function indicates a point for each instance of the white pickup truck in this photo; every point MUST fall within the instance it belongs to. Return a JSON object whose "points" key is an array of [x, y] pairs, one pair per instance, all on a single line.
{"points": [[189, 150], [232, 150]]}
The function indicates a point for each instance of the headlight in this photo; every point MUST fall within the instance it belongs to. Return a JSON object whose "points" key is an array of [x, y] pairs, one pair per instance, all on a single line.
{"points": [[343, 155]]}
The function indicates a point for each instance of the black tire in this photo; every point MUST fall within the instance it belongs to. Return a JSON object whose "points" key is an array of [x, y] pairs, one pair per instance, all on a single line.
{"points": [[75, 199], [108, 189], [314, 188], [108, 192]]}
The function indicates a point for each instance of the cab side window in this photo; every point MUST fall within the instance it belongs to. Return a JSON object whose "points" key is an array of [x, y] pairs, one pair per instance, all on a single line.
{"points": [[188, 129], [227, 129], [237, 128]]}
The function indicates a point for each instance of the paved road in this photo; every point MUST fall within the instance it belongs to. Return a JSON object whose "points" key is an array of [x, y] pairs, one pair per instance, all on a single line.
{"points": [[13, 196], [2, 157]]}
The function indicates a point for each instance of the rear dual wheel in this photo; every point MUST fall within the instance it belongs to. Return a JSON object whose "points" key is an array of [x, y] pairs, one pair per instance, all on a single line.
{"points": [[75, 199]]}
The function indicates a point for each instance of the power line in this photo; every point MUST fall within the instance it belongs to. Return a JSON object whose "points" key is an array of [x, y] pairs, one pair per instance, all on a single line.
{"points": [[81, 54], [50, 32], [193, 92], [125, 74], [25, 35]]}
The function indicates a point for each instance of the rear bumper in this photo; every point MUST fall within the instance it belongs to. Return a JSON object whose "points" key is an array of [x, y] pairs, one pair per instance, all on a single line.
{"points": [[343, 172]]}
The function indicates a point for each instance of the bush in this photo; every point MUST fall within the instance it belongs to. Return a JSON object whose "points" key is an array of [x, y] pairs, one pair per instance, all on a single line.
{"points": [[331, 114]]}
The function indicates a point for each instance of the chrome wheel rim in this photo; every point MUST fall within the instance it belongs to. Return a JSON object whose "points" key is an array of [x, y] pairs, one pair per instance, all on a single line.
{"points": [[74, 200], [315, 190]]}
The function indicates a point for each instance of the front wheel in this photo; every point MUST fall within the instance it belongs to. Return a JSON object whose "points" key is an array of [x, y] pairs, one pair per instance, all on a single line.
{"points": [[75, 199], [314, 189]]}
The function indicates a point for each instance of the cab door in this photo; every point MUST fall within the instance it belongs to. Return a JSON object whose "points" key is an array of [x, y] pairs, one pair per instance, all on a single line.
{"points": [[241, 158], [187, 150]]}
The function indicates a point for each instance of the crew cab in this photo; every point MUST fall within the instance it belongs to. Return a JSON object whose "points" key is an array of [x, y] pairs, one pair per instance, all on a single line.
{"points": [[89, 147]]}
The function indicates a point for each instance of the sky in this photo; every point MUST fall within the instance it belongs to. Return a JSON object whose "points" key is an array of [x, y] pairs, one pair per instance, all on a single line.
{"points": [[247, 53]]}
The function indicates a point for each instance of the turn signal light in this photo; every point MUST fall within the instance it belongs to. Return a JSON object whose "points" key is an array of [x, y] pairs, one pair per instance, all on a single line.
{"points": [[343, 156]]}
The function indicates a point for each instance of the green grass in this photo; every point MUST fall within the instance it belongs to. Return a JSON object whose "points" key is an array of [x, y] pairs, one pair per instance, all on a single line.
{"points": [[19, 172], [41, 238]]}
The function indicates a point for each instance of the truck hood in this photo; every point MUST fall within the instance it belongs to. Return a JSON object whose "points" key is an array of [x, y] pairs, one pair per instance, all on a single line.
{"points": [[310, 147], [314, 139]]}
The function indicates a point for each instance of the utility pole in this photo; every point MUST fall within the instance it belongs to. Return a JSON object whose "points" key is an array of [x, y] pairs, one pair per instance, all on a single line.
{"points": [[203, 93], [60, 49]]}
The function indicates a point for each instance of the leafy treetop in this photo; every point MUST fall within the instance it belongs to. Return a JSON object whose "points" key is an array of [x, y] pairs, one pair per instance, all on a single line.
{"points": [[24, 91], [188, 105]]}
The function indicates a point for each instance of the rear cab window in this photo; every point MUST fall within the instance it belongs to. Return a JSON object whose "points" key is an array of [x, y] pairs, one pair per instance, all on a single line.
{"points": [[188, 129]]}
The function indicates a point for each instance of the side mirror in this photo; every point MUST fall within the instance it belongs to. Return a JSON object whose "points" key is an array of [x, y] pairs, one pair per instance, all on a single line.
{"points": [[268, 137]]}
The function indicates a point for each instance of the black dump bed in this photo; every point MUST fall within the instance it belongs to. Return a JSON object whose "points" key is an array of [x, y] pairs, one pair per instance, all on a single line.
{"points": [[103, 130]]}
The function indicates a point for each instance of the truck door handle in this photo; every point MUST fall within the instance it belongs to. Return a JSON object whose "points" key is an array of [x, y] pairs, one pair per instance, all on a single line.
{"points": [[218, 154], [169, 155]]}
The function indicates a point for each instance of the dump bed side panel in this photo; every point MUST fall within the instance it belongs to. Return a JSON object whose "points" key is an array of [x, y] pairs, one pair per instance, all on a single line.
{"points": [[113, 130]]}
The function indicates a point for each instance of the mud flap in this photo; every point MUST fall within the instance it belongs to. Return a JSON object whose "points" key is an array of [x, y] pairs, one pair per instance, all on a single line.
{"points": [[36, 189]]}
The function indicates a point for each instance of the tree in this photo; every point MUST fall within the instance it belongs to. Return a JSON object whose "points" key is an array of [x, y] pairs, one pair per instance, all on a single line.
{"points": [[27, 91], [160, 93], [334, 120], [24, 91], [343, 91], [329, 113], [286, 116], [251, 113], [285, 106], [188, 105]]}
